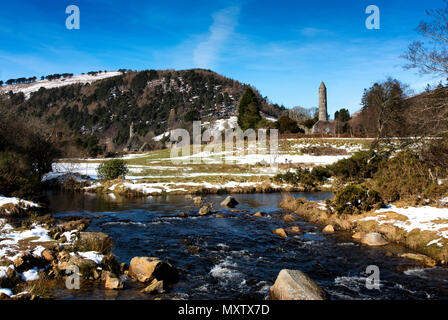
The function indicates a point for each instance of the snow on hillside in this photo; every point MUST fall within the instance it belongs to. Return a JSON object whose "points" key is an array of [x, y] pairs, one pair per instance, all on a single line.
{"points": [[29, 88], [218, 125]]}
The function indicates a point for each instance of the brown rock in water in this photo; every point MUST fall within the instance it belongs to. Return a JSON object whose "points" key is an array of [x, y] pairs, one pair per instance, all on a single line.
{"points": [[197, 201], [229, 202], [374, 239], [206, 209], [154, 287], [193, 249], [258, 214], [357, 236], [281, 232], [113, 282], [289, 218], [182, 215], [295, 285], [293, 230], [146, 269], [220, 216], [429, 262], [328, 229]]}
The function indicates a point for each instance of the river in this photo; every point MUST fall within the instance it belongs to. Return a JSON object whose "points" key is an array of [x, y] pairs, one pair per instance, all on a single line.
{"points": [[239, 257]]}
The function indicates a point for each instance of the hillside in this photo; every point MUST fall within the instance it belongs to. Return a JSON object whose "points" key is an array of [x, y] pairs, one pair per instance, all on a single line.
{"points": [[99, 110]]}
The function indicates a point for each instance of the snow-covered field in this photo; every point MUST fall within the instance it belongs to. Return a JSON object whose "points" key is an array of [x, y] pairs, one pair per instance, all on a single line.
{"points": [[161, 171], [29, 88]]}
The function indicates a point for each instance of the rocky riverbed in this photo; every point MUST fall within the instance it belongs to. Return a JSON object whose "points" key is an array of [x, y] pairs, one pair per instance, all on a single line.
{"points": [[162, 248]]}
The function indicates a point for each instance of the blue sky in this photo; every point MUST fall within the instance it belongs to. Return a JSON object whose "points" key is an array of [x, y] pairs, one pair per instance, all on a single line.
{"points": [[283, 48]]}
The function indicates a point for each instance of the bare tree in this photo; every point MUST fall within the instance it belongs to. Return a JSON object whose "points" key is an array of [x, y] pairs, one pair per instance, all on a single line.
{"points": [[431, 56]]}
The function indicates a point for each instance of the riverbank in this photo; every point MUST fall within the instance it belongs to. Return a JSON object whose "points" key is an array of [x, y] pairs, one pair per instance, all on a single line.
{"points": [[421, 229]]}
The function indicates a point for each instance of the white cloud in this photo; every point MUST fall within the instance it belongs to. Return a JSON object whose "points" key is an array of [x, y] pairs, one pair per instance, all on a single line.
{"points": [[207, 52]]}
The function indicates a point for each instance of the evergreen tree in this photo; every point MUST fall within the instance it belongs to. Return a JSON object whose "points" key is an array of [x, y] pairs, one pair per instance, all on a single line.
{"points": [[249, 110]]}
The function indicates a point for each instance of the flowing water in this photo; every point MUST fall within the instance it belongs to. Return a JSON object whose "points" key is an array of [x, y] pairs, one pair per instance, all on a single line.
{"points": [[239, 257]]}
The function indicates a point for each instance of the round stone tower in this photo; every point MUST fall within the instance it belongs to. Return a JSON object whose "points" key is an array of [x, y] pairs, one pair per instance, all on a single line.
{"points": [[323, 116]]}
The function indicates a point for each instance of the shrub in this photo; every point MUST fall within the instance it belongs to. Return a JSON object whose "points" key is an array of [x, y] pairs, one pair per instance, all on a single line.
{"points": [[362, 165], [406, 176], [354, 199], [112, 169], [287, 125], [305, 177]]}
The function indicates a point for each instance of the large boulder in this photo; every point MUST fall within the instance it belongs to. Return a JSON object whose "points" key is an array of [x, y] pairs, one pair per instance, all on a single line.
{"points": [[295, 285], [229, 202], [373, 239], [93, 241], [145, 269]]}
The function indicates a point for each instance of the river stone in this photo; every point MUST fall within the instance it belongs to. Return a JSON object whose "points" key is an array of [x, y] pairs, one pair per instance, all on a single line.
{"points": [[258, 214], [146, 269], [373, 239], [197, 201], [295, 285], [420, 258], [79, 225], [281, 232], [293, 230], [357, 236], [328, 229], [113, 283], [229, 202], [154, 287], [205, 210]]}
